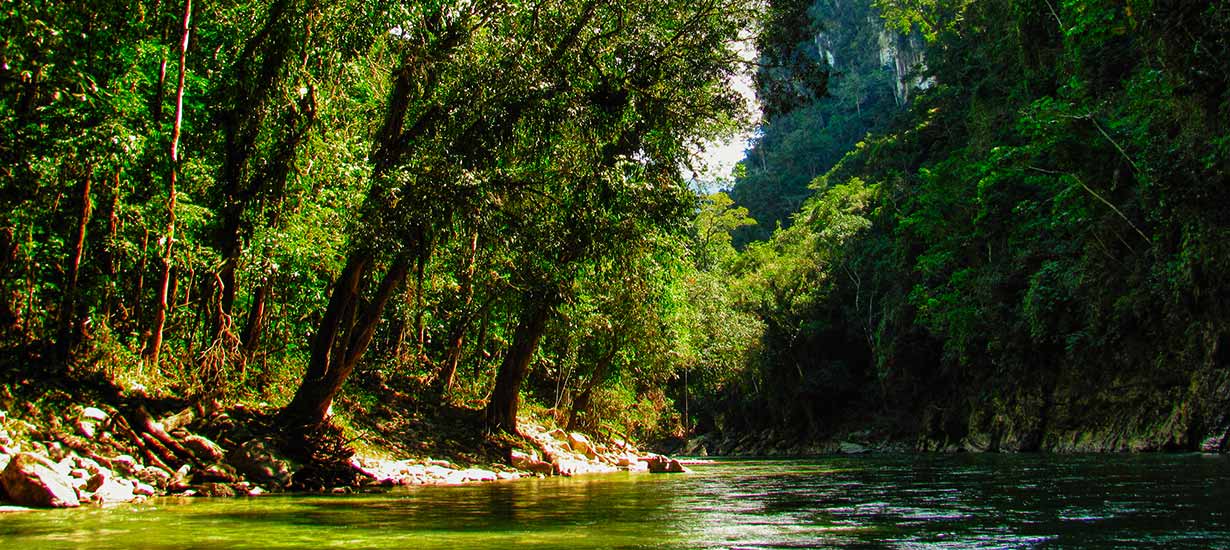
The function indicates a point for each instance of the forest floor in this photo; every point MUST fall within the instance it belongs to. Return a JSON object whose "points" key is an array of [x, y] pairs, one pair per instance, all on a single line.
{"points": [[72, 439]]}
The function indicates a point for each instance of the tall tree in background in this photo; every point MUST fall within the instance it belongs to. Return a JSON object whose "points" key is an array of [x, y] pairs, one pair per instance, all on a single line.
{"points": [[168, 238]]}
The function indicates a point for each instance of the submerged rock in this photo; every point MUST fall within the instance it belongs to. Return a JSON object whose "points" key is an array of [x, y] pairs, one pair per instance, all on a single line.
{"points": [[849, 448], [31, 480], [664, 465]]}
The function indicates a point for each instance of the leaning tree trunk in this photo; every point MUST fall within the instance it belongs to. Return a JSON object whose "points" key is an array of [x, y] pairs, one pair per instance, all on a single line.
{"points": [[160, 311], [501, 413], [341, 340]]}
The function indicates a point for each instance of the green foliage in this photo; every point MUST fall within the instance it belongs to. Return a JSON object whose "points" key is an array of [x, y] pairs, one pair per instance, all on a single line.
{"points": [[1047, 212], [506, 152], [805, 137]]}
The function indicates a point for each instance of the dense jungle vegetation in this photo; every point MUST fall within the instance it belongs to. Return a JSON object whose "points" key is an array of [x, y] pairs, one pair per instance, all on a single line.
{"points": [[985, 225], [1026, 252]]}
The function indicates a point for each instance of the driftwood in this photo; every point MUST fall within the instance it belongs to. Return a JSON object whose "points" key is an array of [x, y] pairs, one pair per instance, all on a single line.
{"points": [[155, 436], [151, 456]]}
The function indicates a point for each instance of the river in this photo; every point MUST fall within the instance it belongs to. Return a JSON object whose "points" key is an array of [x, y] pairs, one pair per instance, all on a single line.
{"points": [[901, 501]]}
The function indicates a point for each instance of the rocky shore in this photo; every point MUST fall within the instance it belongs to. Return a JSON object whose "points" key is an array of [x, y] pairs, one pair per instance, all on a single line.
{"points": [[93, 455]]}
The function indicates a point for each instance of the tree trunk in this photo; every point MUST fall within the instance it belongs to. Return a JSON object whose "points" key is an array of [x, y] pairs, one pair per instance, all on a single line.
{"points": [[341, 340], [68, 308], [457, 337], [581, 404], [160, 313], [10, 301], [256, 321], [109, 256], [258, 74], [140, 282], [501, 413]]}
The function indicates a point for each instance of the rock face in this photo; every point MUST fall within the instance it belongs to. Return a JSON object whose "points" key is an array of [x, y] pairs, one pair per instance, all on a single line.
{"points": [[31, 480]]}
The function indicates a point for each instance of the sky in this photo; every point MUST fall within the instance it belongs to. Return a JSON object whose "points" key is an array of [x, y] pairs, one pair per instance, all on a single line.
{"points": [[716, 161]]}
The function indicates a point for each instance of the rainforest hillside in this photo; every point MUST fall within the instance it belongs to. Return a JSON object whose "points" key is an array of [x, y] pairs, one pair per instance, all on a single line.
{"points": [[1029, 252]]}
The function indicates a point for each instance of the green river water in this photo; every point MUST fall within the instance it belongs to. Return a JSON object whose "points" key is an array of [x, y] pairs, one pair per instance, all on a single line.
{"points": [[903, 501]]}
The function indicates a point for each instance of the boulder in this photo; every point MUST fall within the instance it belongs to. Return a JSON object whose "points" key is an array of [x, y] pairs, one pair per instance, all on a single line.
{"points": [[154, 475], [568, 467], [580, 444], [31, 480], [113, 490], [694, 446], [530, 463], [96, 481], [664, 465], [143, 489], [93, 413], [203, 449], [258, 461], [215, 490], [221, 473]]}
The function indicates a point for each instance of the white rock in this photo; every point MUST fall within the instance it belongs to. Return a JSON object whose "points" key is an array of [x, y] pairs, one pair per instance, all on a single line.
{"points": [[93, 413], [31, 480], [114, 490]]}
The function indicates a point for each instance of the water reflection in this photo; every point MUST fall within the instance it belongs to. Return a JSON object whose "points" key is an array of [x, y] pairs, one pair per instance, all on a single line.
{"points": [[916, 501]]}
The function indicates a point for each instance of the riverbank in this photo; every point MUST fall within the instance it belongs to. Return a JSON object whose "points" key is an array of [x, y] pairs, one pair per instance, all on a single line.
{"points": [[117, 446]]}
